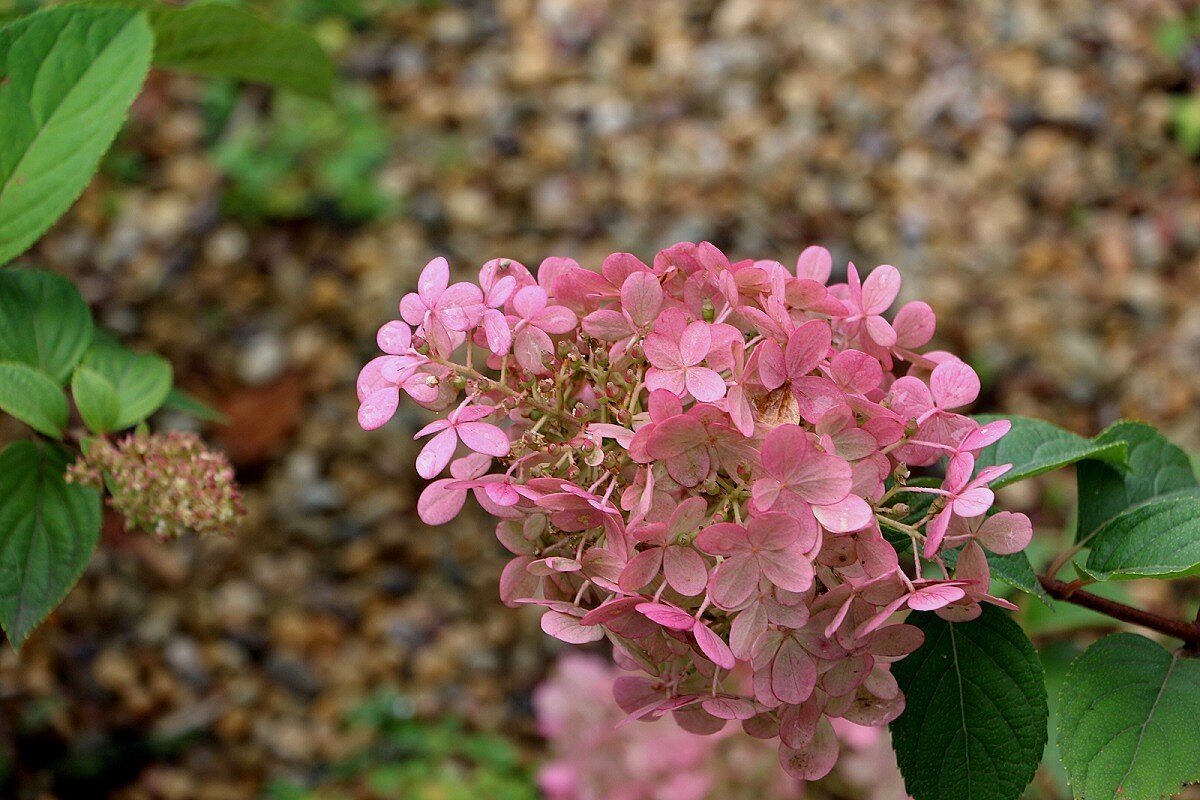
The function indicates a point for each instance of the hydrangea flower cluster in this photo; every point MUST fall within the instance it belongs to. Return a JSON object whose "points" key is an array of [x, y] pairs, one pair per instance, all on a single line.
{"points": [[165, 484], [592, 758], [698, 459]]}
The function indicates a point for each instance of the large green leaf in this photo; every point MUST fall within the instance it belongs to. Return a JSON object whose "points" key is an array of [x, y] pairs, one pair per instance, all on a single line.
{"points": [[67, 77], [96, 398], [48, 530], [44, 323], [1160, 538], [141, 381], [30, 396], [1156, 467], [1127, 720], [223, 40], [974, 722], [1034, 446]]}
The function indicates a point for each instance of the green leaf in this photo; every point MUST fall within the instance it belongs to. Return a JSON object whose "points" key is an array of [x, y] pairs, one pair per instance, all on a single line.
{"points": [[1034, 446], [222, 40], [48, 530], [142, 381], [96, 399], [185, 403], [44, 323], [67, 77], [974, 722], [1156, 467], [1127, 724], [1159, 539], [30, 396]]}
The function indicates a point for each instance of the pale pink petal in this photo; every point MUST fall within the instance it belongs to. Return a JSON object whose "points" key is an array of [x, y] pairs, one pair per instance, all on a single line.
{"points": [[694, 344], [671, 380], [953, 384], [880, 331], [568, 629], [662, 352], [815, 263], [880, 288], [821, 479], [914, 325], [555, 319], [438, 504], [714, 647], [395, 337], [483, 437], [746, 628], [910, 397], [436, 454], [704, 384], [607, 325], [516, 583], [433, 281], [529, 345], [529, 301], [974, 502], [933, 597], [973, 566], [641, 297], [851, 513], [787, 569], [986, 435], [855, 371], [412, 309], [1005, 532], [674, 436], [379, 407], [497, 332]]}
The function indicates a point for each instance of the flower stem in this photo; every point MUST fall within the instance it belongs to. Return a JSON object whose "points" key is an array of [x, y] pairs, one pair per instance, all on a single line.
{"points": [[1189, 633]]}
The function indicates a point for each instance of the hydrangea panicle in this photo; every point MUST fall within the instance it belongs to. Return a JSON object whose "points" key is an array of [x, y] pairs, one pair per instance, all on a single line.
{"points": [[696, 460]]}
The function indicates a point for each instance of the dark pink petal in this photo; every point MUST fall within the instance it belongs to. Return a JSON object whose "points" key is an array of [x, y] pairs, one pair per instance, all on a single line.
{"points": [[910, 397], [714, 647], [436, 454], [685, 570], [694, 719], [783, 449], [815, 761], [772, 367], [641, 569], [855, 371], [787, 569], [723, 539], [734, 580], [667, 616], [695, 342], [894, 642], [793, 673], [935, 532], [664, 406], [729, 708], [807, 345], [821, 478], [985, 435], [515, 581]]}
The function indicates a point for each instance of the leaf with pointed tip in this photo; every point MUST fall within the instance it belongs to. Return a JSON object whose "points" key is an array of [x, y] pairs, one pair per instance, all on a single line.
{"points": [[48, 530], [142, 381], [67, 77], [1156, 467], [1034, 446], [1158, 539], [974, 722], [96, 399], [1127, 720]]}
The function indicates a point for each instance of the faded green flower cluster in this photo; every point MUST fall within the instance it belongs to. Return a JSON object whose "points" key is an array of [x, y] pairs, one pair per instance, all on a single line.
{"points": [[165, 484]]}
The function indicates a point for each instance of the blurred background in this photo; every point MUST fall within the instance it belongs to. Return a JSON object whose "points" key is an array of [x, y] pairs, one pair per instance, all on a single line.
{"points": [[1028, 165]]}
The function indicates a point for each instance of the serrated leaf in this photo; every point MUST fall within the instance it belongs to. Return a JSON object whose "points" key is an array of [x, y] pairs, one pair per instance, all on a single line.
{"points": [[48, 530], [32, 397], [1034, 446], [142, 381], [1156, 467], [974, 722], [44, 323], [185, 403], [223, 40], [1127, 724], [96, 399], [67, 77], [1158, 539]]}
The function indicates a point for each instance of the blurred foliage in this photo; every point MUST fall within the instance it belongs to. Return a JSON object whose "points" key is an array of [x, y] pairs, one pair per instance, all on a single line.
{"points": [[302, 159], [418, 760], [1179, 40]]}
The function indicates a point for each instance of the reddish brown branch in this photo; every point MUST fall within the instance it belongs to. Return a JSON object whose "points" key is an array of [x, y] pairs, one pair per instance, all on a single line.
{"points": [[1188, 632]]}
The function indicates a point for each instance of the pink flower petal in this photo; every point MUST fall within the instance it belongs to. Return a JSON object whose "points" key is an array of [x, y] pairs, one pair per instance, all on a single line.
{"points": [[436, 454], [933, 597], [685, 570], [438, 504], [695, 342], [880, 288], [815, 263], [704, 384], [379, 407], [484, 437], [953, 384], [667, 616], [1005, 532], [793, 673], [714, 647], [433, 281], [914, 325], [641, 297], [851, 513], [734, 580], [641, 569], [815, 761], [529, 301], [569, 629]]}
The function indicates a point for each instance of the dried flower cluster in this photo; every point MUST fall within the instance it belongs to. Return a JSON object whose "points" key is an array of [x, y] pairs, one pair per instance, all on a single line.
{"points": [[165, 484], [697, 459], [594, 758]]}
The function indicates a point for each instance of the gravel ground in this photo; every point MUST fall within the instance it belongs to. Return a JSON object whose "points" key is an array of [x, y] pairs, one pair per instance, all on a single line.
{"points": [[1014, 159]]}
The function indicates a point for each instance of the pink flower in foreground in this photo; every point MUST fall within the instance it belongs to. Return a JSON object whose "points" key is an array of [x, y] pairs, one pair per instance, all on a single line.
{"points": [[538, 321], [807, 482], [462, 424], [675, 364], [773, 546], [444, 312]]}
